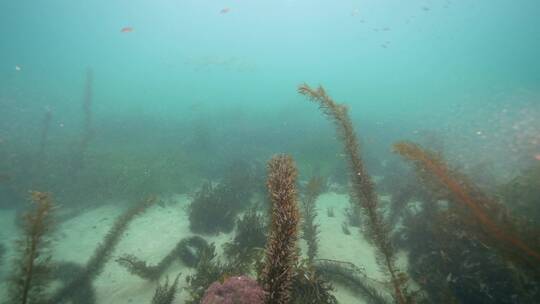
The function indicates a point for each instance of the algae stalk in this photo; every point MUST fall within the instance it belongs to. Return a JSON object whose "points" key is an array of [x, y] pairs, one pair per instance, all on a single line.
{"points": [[281, 254], [363, 187], [31, 275], [310, 230]]}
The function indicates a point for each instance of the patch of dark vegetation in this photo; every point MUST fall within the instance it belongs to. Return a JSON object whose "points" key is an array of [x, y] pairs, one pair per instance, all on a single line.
{"points": [[251, 233], [466, 245], [215, 206], [210, 212]]}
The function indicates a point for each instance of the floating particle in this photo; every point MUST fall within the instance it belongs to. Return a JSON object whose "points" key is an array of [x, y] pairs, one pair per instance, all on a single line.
{"points": [[61, 125], [355, 12], [18, 68], [127, 29], [425, 8], [478, 132], [224, 10]]}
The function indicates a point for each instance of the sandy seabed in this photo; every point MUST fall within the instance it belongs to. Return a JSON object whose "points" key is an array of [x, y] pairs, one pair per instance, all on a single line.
{"points": [[153, 234]]}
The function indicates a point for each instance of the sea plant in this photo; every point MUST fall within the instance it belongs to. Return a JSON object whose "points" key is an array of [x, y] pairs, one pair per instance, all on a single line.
{"points": [[308, 286], [353, 213], [208, 270], [87, 128], [451, 262], [188, 250], [491, 220], [210, 210], [281, 249], [363, 188], [31, 275], [166, 293], [355, 279], [310, 229], [102, 254], [251, 232]]}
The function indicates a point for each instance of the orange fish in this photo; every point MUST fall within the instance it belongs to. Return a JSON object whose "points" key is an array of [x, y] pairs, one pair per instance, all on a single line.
{"points": [[127, 29], [224, 10]]}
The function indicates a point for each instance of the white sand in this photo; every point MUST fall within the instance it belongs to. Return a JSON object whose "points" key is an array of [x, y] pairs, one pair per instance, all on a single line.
{"points": [[153, 234]]}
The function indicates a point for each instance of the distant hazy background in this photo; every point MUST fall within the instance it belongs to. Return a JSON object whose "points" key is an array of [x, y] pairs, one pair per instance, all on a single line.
{"points": [[191, 88]]}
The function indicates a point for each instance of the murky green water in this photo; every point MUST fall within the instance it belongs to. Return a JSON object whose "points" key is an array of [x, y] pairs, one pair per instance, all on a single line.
{"points": [[104, 104]]}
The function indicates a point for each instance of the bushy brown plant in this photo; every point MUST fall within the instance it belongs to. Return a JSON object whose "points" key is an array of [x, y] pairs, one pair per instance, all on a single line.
{"points": [[281, 249]]}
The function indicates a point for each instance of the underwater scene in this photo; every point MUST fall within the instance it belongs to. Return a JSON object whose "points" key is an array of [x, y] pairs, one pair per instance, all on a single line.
{"points": [[276, 152]]}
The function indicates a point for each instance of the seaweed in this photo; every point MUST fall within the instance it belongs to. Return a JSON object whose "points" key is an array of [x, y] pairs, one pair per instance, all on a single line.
{"points": [[215, 207], [210, 211], [208, 270], [355, 279], [308, 287], [281, 249], [400, 198], [251, 232], [188, 250], [87, 128], [46, 125], [452, 264], [165, 293], [238, 184], [330, 212], [353, 213], [484, 216], [363, 188], [31, 275], [102, 254], [310, 230]]}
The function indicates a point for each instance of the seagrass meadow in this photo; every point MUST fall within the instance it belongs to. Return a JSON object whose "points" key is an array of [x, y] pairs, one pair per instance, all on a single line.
{"points": [[269, 152]]}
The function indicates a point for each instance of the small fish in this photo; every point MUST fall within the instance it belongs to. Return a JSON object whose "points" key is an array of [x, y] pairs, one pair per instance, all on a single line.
{"points": [[127, 29], [17, 68], [537, 156], [224, 10]]}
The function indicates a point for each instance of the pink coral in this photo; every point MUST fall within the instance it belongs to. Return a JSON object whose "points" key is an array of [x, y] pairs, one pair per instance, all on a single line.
{"points": [[234, 290]]}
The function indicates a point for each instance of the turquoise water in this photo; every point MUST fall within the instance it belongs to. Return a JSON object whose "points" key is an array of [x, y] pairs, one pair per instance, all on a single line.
{"points": [[114, 101]]}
